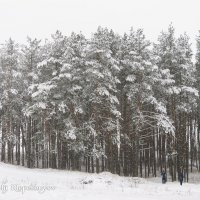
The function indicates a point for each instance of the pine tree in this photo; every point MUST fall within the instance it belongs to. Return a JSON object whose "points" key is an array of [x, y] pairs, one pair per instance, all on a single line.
{"points": [[147, 112], [30, 57], [10, 99]]}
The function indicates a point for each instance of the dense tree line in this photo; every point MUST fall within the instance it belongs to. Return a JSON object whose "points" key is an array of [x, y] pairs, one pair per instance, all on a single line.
{"points": [[111, 102]]}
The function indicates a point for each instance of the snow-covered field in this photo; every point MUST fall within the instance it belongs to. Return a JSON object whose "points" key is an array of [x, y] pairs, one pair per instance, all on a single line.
{"points": [[18, 183]]}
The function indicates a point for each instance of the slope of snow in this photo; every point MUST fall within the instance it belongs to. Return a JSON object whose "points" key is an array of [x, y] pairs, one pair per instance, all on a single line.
{"points": [[18, 183]]}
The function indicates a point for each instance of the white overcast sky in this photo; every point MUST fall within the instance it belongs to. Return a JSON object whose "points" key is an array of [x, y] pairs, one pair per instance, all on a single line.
{"points": [[41, 18]]}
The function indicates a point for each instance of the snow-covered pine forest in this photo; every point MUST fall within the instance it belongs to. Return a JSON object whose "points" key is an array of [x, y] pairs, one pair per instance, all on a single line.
{"points": [[116, 103]]}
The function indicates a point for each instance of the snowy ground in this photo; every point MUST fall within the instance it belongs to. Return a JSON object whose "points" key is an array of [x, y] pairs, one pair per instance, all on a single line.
{"points": [[18, 183]]}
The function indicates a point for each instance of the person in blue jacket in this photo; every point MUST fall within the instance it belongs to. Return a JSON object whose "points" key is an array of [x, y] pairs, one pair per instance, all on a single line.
{"points": [[164, 176]]}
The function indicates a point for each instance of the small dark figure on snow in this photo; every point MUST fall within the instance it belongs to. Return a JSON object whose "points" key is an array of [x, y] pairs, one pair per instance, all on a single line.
{"points": [[164, 176], [181, 177]]}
